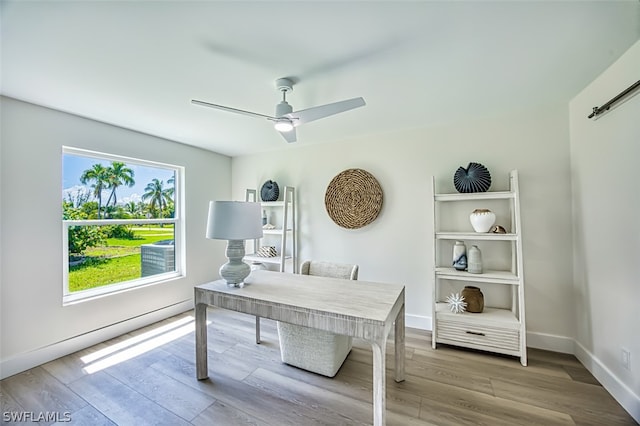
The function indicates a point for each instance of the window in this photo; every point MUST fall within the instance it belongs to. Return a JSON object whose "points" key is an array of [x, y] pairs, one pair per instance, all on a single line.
{"points": [[122, 223]]}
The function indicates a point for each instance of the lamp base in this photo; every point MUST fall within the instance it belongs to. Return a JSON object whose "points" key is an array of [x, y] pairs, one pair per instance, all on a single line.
{"points": [[235, 270]]}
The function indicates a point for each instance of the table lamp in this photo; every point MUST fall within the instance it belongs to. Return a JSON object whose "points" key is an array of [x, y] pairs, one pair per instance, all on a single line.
{"points": [[234, 221]]}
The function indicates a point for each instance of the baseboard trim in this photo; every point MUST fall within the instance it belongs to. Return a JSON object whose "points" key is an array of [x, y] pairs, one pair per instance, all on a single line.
{"points": [[620, 391], [27, 360], [551, 342], [418, 321]]}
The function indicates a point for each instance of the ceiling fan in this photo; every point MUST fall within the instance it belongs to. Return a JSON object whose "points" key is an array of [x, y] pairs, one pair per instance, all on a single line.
{"points": [[286, 120]]}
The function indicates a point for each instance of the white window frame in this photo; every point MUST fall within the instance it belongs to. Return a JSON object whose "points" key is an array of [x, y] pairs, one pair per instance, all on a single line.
{"points": [[68, 297]]}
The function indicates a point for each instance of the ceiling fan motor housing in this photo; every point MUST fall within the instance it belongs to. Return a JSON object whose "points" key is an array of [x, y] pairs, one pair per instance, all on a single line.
{"points": [[283, 108]]}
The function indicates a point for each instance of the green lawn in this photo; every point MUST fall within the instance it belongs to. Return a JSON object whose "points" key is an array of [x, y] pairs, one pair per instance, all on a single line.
{"points": [[117, 261], [96, 272]]}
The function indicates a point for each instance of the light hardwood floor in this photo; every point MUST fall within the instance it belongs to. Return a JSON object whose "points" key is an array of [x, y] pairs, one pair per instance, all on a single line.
{"points": [[148, 377]]}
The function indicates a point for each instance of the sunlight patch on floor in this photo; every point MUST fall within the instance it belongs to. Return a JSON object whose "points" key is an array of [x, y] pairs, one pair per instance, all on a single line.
{"points": [[137, 345]]}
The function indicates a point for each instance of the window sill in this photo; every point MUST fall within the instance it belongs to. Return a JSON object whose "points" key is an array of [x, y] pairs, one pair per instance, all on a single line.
{"points": [[110, 290]]}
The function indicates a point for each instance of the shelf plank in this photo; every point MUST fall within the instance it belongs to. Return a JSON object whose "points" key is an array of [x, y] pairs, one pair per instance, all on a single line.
{"points": [[494, 317], [489, 276], [260, 259], [496, 195], [273, 231], [477, 236], [272, 204]]}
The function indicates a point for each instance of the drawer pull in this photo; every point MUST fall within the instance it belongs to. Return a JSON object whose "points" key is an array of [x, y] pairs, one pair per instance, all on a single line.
{"points": [[475, 333]]}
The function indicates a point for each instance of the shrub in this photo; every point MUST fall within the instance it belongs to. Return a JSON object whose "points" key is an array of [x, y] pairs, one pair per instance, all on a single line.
{"points": [[81, 237], [119, 231]]}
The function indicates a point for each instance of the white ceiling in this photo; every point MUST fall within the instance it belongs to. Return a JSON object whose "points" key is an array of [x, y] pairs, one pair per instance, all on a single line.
{"points": [[138, 64]]}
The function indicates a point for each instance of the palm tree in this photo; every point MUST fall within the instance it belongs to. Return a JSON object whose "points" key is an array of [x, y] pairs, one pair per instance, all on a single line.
{"points": [[99, 175], [141, 209], [157, 195], [110, 212], [171, 181], [132, 208], [119, 174]]}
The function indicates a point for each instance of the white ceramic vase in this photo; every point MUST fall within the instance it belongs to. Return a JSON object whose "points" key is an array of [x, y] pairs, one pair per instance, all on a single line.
{"points": [[460, 256], [482, 220], [474, 260]]}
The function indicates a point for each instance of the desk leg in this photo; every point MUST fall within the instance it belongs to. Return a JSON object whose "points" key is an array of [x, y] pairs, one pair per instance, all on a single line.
{"points": [[399, 346], [258, 330], [379, 383], [202, 369]]}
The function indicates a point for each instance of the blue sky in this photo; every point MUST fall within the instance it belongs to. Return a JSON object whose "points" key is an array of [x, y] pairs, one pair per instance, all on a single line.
{"points": [[74, 165]]}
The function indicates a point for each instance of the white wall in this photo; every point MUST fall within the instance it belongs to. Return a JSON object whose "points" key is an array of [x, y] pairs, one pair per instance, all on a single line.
{"points": [[397, 247], [32, 314], [606, 201]]}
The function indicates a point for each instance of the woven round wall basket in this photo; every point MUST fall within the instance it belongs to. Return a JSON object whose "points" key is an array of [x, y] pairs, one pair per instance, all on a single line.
{"points": [[353, 198]]}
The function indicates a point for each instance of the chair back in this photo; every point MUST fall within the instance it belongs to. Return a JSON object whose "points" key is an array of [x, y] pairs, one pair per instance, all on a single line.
{"points": [[329, 269]]}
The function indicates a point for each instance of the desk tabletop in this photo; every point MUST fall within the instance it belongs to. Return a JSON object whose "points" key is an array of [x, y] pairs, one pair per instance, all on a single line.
{"points": [[350, 298]]}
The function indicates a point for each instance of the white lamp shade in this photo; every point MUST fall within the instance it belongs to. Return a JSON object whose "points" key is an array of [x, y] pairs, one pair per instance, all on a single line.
{"points": [[234, 220]]}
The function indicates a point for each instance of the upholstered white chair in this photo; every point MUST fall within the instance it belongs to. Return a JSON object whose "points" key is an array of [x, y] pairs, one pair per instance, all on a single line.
{"points": [[315, 350]]}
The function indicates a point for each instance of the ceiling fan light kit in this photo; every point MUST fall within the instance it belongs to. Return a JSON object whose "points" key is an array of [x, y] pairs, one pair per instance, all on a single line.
{"points": [[285, 119], [283, 125]]}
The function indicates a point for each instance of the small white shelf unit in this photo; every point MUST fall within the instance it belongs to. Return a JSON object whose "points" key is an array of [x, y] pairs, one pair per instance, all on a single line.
{"points": [[283, 237], [499, 329]]}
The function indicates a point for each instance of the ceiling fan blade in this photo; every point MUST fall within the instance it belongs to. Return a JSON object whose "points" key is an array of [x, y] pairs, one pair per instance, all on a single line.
{"points": [[229, 109], [316, 113], [289, 136]]}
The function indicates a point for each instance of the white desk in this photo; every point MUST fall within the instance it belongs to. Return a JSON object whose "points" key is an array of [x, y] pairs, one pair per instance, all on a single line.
{"points": [[362, 309]]}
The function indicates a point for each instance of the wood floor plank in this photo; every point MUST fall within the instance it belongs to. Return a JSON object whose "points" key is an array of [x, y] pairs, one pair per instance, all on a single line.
{"points": [[70, 367], [169, 393], [433, 371], [354, 380], [427, 387], [9, 406], [37, 391], [566, 397], [332, 408], [453, 405], [461, 412], [341, 384], [554, 357], [257, 403], [219, 363], [581, 374], [153, 381], [120, 403], [468, 360], [86, 416], [219, 413]]}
